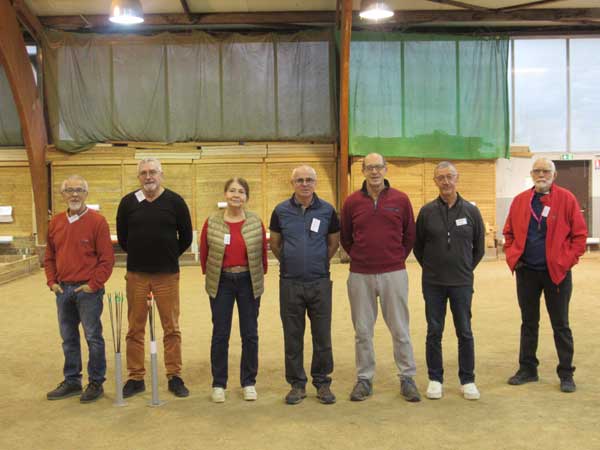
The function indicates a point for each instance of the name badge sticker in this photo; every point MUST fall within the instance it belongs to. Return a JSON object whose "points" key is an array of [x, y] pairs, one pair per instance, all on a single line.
{"points": [[460, 222], [140, 196], [227, 239], [545, 211], [314, 226]]}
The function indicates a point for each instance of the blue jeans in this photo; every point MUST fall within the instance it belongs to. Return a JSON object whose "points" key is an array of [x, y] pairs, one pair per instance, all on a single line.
{"points": [[234, 287], [74, 308], [436, 297]]}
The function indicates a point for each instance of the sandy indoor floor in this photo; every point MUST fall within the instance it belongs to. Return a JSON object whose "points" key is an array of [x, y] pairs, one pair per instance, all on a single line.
{"points": [[534, 416]]}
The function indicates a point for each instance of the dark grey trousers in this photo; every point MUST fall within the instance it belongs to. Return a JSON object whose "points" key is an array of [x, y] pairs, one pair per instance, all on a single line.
{"points": [[296, 300]]}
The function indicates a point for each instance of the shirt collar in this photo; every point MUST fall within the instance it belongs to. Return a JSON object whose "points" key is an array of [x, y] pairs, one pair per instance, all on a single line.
{"points": [[314, 203], [364, 190]]}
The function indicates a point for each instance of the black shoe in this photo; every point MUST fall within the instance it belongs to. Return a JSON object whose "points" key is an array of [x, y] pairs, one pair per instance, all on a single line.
{"points": [[92, 392], [325, 395], [64, 390], [177, 387], [522, 377], [409, 390], [133, 387], [362, 390], [567, 385], [295, 396]]}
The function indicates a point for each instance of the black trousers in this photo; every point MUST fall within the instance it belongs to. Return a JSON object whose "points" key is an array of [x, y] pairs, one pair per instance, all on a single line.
{"points": [[436, 299], [296, 300], [530, 285]]}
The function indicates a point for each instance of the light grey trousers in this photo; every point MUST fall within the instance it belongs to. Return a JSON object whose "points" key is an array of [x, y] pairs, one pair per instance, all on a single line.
{"points": [[392, 290]]}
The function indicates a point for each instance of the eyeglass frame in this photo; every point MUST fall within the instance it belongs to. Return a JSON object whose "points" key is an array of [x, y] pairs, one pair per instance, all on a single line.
{"points": [[308, 181], [71, 191]]}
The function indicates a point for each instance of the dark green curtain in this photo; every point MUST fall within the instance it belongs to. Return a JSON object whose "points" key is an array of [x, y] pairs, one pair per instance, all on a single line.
{"points": [[193, 87], [428, 96], [10, 123]]}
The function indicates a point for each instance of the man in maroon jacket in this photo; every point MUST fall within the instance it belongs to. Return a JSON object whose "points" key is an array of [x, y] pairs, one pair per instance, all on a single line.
{"points": [[79, 259], [545, 235], [378, 232]]}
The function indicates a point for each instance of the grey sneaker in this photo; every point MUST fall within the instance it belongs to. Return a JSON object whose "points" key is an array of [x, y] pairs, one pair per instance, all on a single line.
{"points": [[567, 385], [64, 390], [92, 392], [295, 396], [325, 395], [409, 390], [522, 377], [362, 390]]}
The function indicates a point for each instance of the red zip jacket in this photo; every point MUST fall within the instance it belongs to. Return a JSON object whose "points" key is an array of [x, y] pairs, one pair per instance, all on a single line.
{"points": [[566, 231], [378, 237]]}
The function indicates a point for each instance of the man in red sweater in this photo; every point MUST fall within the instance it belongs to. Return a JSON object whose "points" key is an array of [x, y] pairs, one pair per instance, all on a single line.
{"points": [[79, 259], [378, 232], [545, 235]]}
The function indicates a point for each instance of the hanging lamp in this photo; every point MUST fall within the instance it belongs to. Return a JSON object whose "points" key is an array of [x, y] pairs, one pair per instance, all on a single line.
{"points": [[375, 10], [126, 12]]}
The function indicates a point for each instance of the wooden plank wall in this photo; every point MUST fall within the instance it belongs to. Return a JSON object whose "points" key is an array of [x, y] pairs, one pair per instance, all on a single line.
{"points": [[111, 173], [477, 182], [16, 191]]}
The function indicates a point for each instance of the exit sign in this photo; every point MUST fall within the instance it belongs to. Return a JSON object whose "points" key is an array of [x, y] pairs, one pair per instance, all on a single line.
{"points": [[566, 156]]}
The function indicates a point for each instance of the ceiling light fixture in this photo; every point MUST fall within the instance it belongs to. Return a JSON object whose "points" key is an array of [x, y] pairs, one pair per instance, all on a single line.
{"points": [[126, 12], [375, 10]]}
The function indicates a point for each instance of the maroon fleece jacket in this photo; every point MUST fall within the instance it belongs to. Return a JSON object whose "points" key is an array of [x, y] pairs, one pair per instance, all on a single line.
{"points": [[378, 236]]}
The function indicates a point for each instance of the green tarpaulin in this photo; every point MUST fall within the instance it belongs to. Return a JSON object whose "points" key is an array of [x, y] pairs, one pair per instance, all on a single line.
{"points": [[428, 96]]}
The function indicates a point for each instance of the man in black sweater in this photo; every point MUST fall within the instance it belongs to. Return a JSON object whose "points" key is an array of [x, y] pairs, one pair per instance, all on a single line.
{"points": [[449, 245], [154, 228]]}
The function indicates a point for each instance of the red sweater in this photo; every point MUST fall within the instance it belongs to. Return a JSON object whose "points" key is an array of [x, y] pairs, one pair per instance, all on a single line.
{"points": [[565, 236], [235, 253], [378, 237], [79, 251]]}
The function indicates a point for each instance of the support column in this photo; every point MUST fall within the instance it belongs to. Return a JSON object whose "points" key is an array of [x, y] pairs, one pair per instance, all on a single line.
{"points": [[346, 33], [14, 58]]}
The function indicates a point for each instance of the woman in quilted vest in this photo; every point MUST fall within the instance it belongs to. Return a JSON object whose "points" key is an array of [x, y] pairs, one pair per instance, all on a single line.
{"points": [[233, 253]]}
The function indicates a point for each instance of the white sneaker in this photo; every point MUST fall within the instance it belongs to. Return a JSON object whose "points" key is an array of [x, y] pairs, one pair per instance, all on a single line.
{"points": [[218, 395], [434, 390], [249, 393], [470, 391]]}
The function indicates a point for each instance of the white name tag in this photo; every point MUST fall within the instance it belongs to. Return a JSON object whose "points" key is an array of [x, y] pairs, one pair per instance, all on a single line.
{"points": [[140, 196], [73, 218], [314, 226], [227, 239], [460, 222], [545, 211]]}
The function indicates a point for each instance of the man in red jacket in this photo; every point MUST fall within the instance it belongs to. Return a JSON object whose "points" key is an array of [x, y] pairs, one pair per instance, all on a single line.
{"points": [[545, 235], [79, 259], [378, 232]]}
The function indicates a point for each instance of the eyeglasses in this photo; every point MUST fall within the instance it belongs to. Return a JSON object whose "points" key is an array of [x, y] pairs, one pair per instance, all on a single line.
{"points": [[74, 191], [448, 177], [145, 173], [545, 172], [377, 167], [304, 181]]}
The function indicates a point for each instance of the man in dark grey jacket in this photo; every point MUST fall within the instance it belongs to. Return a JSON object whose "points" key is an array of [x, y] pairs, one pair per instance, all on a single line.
{"points": [[449, 245], [305, 234]]}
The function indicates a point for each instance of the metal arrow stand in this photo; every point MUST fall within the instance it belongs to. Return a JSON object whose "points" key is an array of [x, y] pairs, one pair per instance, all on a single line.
{"points": [[116, 323], [153, 358]]}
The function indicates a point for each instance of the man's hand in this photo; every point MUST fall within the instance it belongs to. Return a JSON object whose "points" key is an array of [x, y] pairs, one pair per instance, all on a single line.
{"points": [[56, 289], [85, 288]]}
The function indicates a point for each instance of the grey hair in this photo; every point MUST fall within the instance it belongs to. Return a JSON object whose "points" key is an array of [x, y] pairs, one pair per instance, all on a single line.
{"points": [[446, 165], [74, 178], [378, 154], [156, 161], [304, 166], [547, 160]]}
